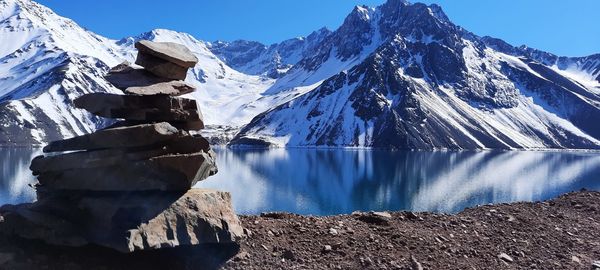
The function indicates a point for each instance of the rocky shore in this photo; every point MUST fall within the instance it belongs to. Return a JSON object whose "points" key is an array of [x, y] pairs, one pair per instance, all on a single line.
{"points": [[562, 233]]}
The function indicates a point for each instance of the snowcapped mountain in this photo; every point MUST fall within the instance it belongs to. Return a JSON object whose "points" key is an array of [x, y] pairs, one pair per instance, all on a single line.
{"points": [[407, 77], [273, 61], [399, 75], [45, 62]]}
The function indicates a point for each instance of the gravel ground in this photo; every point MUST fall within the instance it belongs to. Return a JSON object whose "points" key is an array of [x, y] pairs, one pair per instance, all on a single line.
{"points": [[563, 233]]}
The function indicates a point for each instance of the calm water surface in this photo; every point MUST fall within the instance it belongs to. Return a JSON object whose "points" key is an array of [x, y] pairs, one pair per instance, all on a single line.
{"points": [[322, 182]]}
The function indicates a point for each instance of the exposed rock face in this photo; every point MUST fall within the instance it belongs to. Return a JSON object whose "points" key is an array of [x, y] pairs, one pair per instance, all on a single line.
{"points": [[198, 217], [124, 76], [131, 136], [414, 80], [172, 88], [127, 222], [161, 67], [128, 187], [170, 172], [168, 51], [141, 108], [165, 59]]}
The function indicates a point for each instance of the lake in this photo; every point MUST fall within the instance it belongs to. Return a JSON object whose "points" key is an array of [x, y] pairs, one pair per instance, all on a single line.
{"points": [[335, 181]]}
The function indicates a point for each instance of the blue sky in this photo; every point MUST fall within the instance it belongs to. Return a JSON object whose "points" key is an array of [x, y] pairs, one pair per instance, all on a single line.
{"points": [[563, 27]]}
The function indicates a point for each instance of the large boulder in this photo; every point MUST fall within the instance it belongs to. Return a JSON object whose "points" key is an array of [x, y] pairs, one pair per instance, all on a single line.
{"points": [[173, 172], [165, 59], [172, 52], [140, 108], [124, 76], [121, 137], [126, 222], [161, 67], [111, 157]]}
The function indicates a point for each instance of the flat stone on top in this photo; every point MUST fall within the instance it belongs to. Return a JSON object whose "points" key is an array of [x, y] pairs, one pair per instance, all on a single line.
{"points": [[169, 51], [172, 88]]}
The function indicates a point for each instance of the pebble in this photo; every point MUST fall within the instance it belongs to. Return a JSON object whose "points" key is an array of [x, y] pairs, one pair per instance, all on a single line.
{"points": [[415, 265], [575, 259], [411, 215], [333, 231], [288, 254], [596, 265], [382, 214], [505, 257], [241, 256], [326, 248]]}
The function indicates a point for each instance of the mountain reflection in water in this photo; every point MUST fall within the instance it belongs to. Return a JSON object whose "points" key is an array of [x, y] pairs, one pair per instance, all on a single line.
{"points": [[335, 181], [324, 182]]}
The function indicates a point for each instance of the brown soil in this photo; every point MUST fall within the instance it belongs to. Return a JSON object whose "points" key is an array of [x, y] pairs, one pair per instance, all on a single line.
{"points": [[563, 233]]}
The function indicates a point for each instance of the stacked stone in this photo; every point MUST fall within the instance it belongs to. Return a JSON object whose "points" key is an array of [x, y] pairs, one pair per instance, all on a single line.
{"points": [[128, 186]]}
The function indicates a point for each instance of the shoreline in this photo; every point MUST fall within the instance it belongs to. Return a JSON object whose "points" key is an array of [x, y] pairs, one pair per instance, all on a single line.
{"points": [[559, 233], [360, 148]]}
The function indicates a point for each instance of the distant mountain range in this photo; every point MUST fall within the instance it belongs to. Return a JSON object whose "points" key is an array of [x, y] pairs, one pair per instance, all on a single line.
{"points": [[399, 75]]}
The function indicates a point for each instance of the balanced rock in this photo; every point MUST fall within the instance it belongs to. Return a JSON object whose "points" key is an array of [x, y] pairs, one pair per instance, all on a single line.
{"points": [[128, 187], [177, 172], [187, 125], [141, 108], [175, 53], [122, 137], [171, 88], [111, 157], [127, 222], [165, 59], [124, 76]]}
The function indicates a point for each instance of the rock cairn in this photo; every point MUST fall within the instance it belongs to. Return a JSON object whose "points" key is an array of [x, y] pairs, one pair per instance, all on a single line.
{"points": [[129, 186]]}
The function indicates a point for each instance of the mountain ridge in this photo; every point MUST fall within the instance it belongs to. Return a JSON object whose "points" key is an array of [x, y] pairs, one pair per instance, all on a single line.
{"points": [[433, 85], [400, 75]]}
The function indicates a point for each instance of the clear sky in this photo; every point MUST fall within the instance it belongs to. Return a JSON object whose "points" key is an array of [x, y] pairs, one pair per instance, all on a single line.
{"points": [[563, 27]]}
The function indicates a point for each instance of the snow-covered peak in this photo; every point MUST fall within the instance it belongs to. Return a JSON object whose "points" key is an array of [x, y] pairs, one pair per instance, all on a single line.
{"points": [[362, 13], [26, 23]]}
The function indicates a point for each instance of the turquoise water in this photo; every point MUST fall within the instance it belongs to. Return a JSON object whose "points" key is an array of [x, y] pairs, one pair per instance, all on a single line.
{"points": [[323, 182]]}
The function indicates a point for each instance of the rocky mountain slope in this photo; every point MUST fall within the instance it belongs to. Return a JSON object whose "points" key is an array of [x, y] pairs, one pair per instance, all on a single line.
{"points": [[399, 75], [45, 62], [273, 61], [413, 79]]}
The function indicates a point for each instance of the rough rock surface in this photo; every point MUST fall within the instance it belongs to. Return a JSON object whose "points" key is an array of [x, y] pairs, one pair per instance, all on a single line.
{"points": [[161, 67], [126, 223], [140, 108], [172, 88], [109, 157], [169, 51], [131, 136], [167, 173], [558, 234], [124, 76]]}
